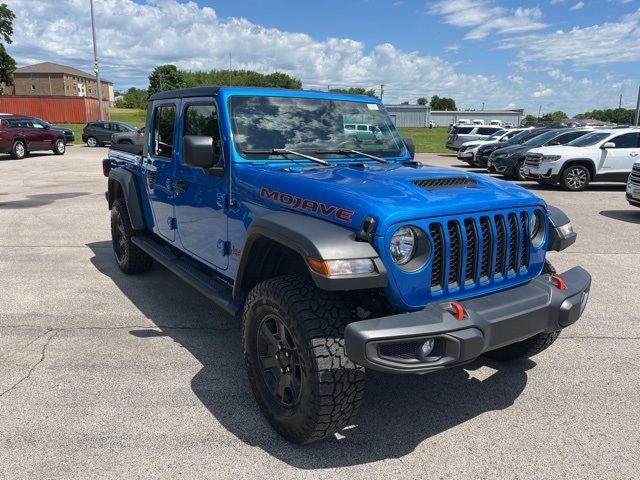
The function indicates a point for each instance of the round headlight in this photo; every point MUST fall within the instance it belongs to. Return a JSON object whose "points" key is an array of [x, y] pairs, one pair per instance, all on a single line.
{"points": [[536, 229], [403, 245]]}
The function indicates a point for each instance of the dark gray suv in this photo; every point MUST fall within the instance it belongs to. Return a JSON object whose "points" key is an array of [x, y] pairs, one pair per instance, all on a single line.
{"points": [[97, 134]]}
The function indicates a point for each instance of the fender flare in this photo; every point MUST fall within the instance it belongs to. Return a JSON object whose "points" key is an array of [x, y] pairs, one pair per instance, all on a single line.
{"points": [[592, 165], [559, 238], [312, 237], [127, 182]]}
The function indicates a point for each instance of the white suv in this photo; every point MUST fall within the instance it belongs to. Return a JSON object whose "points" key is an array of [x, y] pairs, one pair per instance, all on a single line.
{"points": [[461, 134], [633, 185], [468, 150], [600, 156]]}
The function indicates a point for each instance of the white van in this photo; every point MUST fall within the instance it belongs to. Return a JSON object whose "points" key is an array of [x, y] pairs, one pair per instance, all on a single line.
{"points": [[477, 121], [495, 123]]}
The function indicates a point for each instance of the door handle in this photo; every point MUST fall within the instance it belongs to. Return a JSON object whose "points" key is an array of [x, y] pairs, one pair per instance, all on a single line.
{"points": [[180, 186], [152, 177]]}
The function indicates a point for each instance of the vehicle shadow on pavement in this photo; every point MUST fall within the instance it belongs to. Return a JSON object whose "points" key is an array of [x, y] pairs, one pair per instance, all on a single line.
{"points": [[40, 200], [629, 216], [398, 414]]}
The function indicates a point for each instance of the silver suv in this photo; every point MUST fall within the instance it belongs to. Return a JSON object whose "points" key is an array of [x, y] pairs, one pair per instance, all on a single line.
{"points": [[462, 134]]}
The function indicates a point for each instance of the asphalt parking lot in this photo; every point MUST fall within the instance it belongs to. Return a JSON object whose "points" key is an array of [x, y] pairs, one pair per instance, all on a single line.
{"points": [[104, 375]]}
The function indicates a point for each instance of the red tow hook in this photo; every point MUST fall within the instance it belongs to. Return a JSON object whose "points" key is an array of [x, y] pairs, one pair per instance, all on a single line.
{"points": [[558, 282], [458, 310]]}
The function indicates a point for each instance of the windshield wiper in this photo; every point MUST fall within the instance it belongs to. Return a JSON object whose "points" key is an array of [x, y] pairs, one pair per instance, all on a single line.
{"points": [[357, 153], [284, 152]]}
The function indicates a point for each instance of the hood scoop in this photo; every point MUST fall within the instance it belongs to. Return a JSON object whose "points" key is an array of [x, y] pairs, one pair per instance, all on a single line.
{"points": [[444, 182]]}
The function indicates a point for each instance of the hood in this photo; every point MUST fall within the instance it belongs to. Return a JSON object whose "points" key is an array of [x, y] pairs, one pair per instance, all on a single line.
{"points": [[563, 150], [347, 194], [511, 149], [476, 142]]}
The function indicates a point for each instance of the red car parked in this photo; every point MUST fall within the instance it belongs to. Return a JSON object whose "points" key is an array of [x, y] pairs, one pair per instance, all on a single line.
{"points": [[20, 135]]}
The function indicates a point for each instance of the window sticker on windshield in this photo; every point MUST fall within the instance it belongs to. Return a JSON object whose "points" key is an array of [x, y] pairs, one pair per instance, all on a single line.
{"points": [[372, 106]]}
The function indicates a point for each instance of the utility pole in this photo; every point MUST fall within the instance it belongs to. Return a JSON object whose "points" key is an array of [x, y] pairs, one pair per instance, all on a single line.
{"points": [[619, 109], [381, 90], [539, 112], [96, 67], [229, 69], [638, 108], [483, 106]]}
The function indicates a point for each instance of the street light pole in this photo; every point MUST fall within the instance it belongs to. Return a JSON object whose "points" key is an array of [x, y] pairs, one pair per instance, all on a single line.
{"points": [[96, 68]]}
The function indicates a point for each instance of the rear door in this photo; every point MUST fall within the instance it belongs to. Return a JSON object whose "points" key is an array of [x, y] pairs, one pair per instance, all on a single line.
{"points": [[620, 159], [103, 132], [33, 135], [159, 168], [200, 197]]}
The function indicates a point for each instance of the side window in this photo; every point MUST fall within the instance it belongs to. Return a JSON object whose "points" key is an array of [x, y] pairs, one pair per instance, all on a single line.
{"points": [[37, 124], [628, 140], [115, 127], [362, 128], [164, 120], [202, 120], [103, 125]]}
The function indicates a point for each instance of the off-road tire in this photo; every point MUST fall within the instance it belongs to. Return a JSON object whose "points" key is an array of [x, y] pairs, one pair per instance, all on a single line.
{"points": [[331, 387], [575, 178], [59, 147], [129, 257], [18, 150], [92, 142], [531, 346]]}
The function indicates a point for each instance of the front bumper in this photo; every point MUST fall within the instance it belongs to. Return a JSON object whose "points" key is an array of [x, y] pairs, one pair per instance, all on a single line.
{"points": [[392, 344]]}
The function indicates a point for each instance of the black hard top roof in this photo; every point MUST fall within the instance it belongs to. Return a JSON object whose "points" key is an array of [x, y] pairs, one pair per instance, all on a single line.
{"points": [[186, 92]]}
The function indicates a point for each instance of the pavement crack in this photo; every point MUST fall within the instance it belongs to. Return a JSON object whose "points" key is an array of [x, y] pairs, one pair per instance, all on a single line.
{"points": [[43, 354]]}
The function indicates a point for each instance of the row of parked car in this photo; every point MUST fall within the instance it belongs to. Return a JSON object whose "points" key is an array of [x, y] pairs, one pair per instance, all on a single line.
{"points": [[571, 157]]}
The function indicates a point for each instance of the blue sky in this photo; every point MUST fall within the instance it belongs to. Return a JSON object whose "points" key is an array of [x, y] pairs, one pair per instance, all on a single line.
{"points": [[559, 54]]}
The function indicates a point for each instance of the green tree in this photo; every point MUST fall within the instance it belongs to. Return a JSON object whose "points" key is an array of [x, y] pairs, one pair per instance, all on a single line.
{"points": [[442, 103], [422, 101], [165, 77], [622, 116], [554, 116], [241, 78], [529, 119], [356, 91], [7, 63], [133, 98]]}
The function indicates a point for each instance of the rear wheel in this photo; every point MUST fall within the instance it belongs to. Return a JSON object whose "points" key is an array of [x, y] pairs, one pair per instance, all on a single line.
{"points": [[18, 150], [129, 257], [302, 379], [575, 178], [531, 346], [92, 142], [59, 147]]}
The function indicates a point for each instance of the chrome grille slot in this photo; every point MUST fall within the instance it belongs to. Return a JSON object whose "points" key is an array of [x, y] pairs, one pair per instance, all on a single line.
{"points": [[514, 240], [472, 251], [501, 242], [437, 268], [524, 241], [487, 248], [635, 175], [455, 253]]}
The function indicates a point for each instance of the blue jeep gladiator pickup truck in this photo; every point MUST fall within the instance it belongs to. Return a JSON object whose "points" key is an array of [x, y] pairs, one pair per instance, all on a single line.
{"points": [[337, 250]]}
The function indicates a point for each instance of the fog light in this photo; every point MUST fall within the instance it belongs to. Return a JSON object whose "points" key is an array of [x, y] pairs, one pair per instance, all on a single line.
{"points": [[427, 347]]}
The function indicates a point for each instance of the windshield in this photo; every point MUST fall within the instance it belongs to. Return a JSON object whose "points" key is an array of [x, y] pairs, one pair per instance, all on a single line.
{"points": [[497, 135], [540, 139], [128, 126], [588, 139], [518, 137], [310, 125]]}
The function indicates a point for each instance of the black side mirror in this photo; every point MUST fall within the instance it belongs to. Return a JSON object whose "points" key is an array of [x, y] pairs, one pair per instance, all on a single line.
{"points": [[46, 127], [199, 151], [411, 147]]}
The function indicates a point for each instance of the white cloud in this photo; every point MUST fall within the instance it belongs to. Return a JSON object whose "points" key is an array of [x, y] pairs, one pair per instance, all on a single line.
{"points": [[610, 42], [577, 6], [558, 75], [454, 48], [484, 17], [135, 37], [554, 2], [542, 91]]}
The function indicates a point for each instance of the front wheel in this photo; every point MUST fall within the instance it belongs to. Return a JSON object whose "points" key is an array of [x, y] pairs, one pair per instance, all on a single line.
{"points": [[518, 171], [575, 178], [59, 147], [302, 379]]}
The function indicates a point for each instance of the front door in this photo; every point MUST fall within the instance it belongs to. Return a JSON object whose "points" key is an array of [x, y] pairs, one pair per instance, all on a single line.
{"points": [[200, 196], [621, 158], [42, 135], [159, 167]]}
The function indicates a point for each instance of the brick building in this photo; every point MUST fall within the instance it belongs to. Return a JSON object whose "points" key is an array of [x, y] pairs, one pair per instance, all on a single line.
{"points": [[50, 79]]}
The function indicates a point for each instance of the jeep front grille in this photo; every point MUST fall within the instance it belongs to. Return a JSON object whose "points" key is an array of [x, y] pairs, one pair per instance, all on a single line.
{"points": [[635, 175], [470, 251]]}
